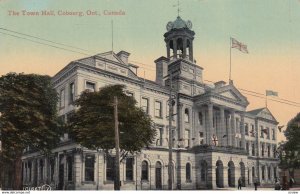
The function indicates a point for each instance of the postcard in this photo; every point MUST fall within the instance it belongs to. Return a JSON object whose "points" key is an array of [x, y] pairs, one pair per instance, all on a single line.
{"points": [[149, 95]]}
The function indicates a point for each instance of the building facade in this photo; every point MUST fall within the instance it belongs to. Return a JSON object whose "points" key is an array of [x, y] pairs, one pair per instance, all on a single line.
{"points": [[215, 139]]}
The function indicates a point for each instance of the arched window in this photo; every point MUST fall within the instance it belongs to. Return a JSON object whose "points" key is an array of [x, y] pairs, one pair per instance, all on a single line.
{"points": [[188, 172], [186, 115], [144, 170]]}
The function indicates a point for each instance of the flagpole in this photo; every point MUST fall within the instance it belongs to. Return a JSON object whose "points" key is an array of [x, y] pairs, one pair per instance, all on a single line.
{"points": [[266, 101], [230, 61]]}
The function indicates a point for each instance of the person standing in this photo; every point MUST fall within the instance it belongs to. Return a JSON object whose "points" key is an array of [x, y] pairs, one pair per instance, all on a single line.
{"points": [[240, 183], [255, 183]]}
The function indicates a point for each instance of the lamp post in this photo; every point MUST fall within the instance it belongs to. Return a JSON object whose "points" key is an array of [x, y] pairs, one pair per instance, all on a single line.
{"points": [[284, 167], [1, 165]]}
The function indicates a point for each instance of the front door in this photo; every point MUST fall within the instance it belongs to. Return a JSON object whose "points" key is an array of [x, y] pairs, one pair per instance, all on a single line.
{"points": [[158, 178], [61, 177]]}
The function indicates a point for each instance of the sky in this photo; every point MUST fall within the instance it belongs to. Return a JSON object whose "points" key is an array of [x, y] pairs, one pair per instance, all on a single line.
{"points": [[269, 28]]}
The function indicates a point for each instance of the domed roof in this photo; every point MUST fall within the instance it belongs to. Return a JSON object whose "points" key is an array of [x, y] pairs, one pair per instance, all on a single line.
{"points": [[179, 23]]}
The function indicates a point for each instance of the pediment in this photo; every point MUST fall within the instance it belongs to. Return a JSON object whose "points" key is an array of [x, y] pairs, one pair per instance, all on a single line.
{"points": [[229, 94], [232, 93], [110, 56], [265, 113]]}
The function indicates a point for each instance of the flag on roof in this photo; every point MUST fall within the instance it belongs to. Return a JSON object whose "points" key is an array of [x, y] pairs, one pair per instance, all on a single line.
{"points": [[271, 93], [238, 45]]}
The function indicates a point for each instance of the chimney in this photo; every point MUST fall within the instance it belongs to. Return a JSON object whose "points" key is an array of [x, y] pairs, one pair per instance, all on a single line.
{"points": [[161, 69], [123, 55]]}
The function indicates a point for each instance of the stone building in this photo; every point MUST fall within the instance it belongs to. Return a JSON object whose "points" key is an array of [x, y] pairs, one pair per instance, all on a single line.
{"points": [[216, 140]]}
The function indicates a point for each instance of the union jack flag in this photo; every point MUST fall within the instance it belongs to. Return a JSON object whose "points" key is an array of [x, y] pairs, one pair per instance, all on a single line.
{"points": [[238, 45]]}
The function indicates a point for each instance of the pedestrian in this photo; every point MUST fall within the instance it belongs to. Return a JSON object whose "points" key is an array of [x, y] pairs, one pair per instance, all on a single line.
{"points": [[291, 182], [255, 183], [277, 185], [240, 181]]}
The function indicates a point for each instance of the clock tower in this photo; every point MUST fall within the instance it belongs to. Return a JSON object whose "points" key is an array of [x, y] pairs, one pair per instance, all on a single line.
{"points": [[179, 39]]}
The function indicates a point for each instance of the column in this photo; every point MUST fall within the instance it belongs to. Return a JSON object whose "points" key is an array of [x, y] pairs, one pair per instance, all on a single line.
{"points": [[228, 131], [225, 176], [204, 127], [77, 167], [180, 125], [168, 49], [222, 127], [174, 48], [243, 130], [191, 50], [211, 177], [195, 127], [232, 129], [184, 48], [210, 124]]}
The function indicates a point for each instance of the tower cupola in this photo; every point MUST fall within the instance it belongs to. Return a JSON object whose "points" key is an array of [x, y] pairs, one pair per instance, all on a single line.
{"points": [[179, 39]]}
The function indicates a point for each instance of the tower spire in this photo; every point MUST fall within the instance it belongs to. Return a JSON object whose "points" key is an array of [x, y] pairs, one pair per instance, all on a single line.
{"points": [[178, 10]]}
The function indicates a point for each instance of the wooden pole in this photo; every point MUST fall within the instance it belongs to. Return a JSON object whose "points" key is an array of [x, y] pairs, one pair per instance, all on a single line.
{"points": [[117, 159]]}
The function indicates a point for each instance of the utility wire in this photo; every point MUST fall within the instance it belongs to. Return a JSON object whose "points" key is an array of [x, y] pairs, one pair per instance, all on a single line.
{"points": [[8, 30], [45, 44], [283, 101]]}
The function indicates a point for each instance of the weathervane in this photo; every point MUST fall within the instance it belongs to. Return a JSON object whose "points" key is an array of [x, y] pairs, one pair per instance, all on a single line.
{"points": [[178, 7]]}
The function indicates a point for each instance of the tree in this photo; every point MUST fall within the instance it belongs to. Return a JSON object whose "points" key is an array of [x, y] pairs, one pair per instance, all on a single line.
{"points": [[28, 106], [292, 145], [92, 124]]}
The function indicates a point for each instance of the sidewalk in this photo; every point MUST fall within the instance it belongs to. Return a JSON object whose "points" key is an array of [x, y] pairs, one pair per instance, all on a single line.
{"points": [[258, 188]]}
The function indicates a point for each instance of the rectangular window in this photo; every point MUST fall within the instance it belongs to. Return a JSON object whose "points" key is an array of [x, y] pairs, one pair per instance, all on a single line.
{"points": [[273, 134], [262, 150], [145, 105], [71, 93], [110, 168], [268, 133], [201, 138], [29, 169], [129, 169], [187, 138], [252, 130], [158, 109], [253, 149], [70, 168], [159, 138], [261, 131], [246, 129], [89, 167], [174, 137], [237, 124], [41, 169], [200, 118], [275, 172], [52, 164], [90, 86], [263, 173], [247, 147], [62, 98]]}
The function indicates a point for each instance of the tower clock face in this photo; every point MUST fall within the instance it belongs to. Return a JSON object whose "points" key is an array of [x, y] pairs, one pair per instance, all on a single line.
{"points": [[169, 26], [189, 24]]}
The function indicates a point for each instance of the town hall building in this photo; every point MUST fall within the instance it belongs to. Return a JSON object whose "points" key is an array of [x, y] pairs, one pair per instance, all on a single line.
{"points": [[216, 140]]}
